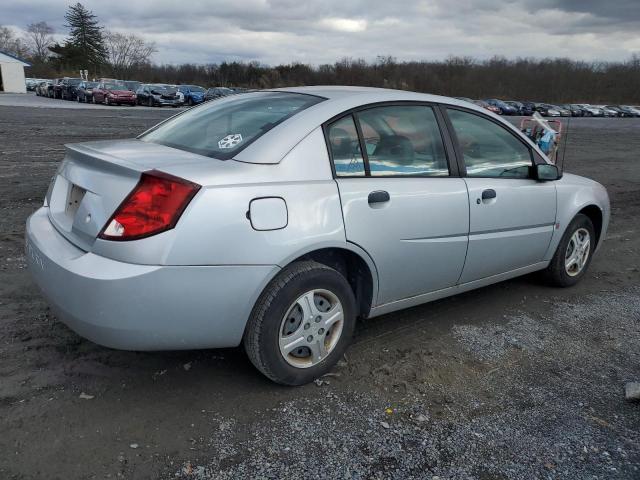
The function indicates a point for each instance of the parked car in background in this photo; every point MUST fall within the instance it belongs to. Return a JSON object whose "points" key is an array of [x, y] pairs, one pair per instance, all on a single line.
{"points": [[608, 112], [84, 92], [485, 105], [68, 88], [32, 83], [111, 93], [635, 111], [193, 94], [591, 110], [574, 110], [57, 87], [621, 111], [42, 89], [522, 108], [270, 220], [503, 107], [154, 95], [547, 110], [564, 112], [132, 85], [217, 92]]}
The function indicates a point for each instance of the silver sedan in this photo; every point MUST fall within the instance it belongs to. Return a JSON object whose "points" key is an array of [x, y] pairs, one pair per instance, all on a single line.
{"points": [[276, 218]]}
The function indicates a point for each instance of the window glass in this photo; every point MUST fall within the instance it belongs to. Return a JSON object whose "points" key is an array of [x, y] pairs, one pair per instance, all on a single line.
{"points": [[489, 150], [222, 129], [403, 140], [345, 148]]}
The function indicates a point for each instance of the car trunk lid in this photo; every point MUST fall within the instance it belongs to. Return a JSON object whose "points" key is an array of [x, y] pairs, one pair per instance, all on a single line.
{"points": [[96, 177]]}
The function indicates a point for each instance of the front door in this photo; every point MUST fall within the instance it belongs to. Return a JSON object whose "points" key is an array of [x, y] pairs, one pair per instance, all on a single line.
{"points": [[399, 202], [512, 216]]}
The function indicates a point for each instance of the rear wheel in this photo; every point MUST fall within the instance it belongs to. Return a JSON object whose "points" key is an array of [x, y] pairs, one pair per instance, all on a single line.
{"points": [[573, 256], [150, 102], [301, 324]]}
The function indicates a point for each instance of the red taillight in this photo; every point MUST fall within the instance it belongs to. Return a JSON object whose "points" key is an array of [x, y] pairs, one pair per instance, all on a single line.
{"points": [[154, 206]]}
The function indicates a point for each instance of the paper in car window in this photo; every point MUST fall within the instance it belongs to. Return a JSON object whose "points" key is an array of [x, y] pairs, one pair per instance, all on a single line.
{"points": [[230, 141]]}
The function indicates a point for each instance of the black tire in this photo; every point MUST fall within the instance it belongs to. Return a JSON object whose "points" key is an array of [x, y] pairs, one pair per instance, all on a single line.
{"points": [[190, 102], [150, 102], [556, 273], [106, 100], [263, 329]]}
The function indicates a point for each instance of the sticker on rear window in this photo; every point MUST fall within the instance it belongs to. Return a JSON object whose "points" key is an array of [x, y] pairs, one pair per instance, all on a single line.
{"points": [[230, 141]]}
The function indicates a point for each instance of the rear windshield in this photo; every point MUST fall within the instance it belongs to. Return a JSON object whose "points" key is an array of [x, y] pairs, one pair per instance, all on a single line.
{"points": [[221, 129]]}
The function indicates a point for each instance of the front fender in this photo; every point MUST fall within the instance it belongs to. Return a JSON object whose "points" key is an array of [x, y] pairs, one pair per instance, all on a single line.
{"points": [[575, 193]]}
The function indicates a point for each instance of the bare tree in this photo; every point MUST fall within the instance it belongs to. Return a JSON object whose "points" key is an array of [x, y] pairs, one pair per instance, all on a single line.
{"points": [[41, 38], [11, 43], [127, 52]]}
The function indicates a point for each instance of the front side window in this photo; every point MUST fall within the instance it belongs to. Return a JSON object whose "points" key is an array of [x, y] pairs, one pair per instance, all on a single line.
{"points": [[403, 140], [222, 129], [345, 148], [489, 150]]}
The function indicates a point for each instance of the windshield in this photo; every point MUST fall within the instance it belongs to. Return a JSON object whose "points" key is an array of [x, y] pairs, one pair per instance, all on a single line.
{"points": [[196, 89], [90, 84], [162, 89], [113, 86], [223, 128]]}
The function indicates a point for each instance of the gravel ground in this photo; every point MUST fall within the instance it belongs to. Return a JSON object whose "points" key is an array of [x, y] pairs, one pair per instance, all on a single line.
{"points": [[516, 380]]}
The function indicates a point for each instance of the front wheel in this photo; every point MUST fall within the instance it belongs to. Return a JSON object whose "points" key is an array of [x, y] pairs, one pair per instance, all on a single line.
{"points": [[573, 256], [301, 324]]}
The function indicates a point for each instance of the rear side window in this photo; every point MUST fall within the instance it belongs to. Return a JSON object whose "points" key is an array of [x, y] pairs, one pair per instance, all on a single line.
{"points": [[489, 150], [345, 148], [221, 129], [403, 140]]}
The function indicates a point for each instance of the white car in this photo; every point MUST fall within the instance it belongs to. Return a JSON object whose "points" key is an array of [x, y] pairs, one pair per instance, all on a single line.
{"points": [[274, 219]]}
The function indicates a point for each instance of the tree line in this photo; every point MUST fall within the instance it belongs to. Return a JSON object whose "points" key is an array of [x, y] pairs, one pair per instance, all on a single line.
{"points": [[111, 54]]}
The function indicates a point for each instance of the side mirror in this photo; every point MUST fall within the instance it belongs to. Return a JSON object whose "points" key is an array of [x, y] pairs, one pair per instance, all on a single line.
{"points": [[546, 172]]}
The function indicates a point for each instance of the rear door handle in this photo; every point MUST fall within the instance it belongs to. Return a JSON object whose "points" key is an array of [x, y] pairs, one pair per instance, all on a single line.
{"points": [[488, 194], [379, 196]]}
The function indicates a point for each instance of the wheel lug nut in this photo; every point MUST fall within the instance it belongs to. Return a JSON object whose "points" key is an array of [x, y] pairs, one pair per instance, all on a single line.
{"points": [[318, 318], [310, 338], [321, 331], [307, 326]]}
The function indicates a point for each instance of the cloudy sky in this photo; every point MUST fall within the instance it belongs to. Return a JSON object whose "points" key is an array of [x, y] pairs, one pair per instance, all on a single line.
{"points": [[321, 31]]}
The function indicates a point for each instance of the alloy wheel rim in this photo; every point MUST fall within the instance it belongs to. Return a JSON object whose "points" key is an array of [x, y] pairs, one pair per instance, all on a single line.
{"points": [[577, 252], [311, 328]]}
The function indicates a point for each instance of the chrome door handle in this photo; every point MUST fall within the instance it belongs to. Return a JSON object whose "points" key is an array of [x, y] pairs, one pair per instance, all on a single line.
{"points": [[379, 196]]}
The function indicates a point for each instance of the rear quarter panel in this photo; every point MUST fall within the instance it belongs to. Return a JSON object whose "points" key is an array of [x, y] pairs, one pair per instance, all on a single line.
{"points": [[215, 229]]}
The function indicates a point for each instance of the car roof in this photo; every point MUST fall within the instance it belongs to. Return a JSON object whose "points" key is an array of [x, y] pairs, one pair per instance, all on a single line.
{"points": [[273, 146]]}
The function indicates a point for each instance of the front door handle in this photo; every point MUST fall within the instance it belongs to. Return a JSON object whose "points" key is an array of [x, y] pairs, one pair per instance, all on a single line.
{"points": [[488, 194], [379, 196]]}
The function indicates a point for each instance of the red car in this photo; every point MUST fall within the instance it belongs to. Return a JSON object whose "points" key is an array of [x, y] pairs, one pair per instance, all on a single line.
{"points": [[491, 108], [111, 93]]}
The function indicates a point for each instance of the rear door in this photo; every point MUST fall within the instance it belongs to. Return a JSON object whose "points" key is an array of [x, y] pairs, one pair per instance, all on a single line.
{"points": [[402, 202], [512, 216]]}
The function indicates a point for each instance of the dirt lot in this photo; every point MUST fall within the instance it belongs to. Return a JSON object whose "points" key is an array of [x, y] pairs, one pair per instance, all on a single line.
{"points": [[516, 380]]}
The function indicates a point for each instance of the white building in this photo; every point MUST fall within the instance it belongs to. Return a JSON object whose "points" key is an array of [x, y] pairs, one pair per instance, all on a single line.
{"points": [[12, 74]]}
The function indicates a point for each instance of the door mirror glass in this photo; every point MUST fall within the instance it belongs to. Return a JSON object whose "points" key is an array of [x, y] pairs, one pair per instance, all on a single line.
{"points": [[547, 172]]}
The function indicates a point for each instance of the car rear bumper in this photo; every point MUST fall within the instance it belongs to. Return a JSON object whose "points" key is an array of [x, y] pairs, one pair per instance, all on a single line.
{"points": [[141, 307]]}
